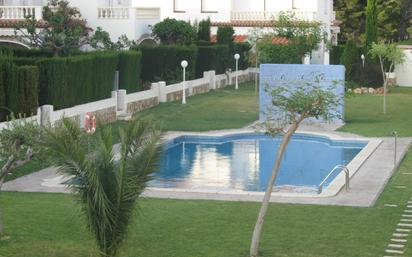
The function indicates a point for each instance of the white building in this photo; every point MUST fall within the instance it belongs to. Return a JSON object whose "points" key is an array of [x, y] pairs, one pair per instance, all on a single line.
{"points": [[133, 17]]}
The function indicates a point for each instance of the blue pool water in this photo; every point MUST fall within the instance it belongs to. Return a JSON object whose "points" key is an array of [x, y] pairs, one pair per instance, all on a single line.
{"points": [[245, 161]]}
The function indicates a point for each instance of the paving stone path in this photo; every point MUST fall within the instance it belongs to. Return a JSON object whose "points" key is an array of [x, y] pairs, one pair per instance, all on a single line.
{"points": [[397, 244]]}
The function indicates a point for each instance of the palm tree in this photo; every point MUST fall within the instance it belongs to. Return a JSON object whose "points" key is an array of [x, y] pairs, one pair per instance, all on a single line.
{"points": [[108, 185]]}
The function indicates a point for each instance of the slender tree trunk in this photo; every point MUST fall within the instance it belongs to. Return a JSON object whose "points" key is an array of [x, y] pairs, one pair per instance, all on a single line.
{"points": [[257, 232], [384, 84]]}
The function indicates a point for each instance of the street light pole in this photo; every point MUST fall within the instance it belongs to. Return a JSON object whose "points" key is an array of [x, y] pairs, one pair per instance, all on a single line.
{"points": [[237, 57], [184, 66]]}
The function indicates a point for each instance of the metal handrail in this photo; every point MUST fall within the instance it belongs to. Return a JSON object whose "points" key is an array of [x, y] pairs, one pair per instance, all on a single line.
{"points": [[395, 157], [337, 167]]}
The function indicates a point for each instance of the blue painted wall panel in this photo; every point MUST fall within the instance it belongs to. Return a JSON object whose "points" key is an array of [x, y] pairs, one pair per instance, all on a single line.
{"points": [[273, 75]]}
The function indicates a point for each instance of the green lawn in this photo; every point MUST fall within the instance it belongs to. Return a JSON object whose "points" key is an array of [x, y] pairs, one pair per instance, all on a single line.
{"points": [[364, 114], [51, 225], [221, 109]]}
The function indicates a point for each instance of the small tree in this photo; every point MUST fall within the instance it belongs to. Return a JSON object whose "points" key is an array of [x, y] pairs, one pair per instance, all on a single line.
{"points": [[108, 186], [204, 30], [18, 145], [225, 35], [389, 56], [291, 105], [101, 41], [64, 30], [172, 31], [304, 35]]}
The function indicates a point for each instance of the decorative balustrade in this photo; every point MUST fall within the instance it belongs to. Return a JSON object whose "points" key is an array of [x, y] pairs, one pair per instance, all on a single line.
{"points": [[20, 12], [116, 13], [267, 15]]}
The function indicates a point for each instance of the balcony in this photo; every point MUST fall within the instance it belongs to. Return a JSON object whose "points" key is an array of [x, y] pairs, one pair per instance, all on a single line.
{"points": [[20, 12], [268, 16], [113, 13]]}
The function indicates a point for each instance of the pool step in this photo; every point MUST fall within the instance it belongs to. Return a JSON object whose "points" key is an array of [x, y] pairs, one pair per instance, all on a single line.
{"points": [[397, 240], [394, 251]]}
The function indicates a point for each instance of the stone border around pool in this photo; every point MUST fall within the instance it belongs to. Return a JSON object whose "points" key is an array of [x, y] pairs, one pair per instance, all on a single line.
{"points": [[332, 190]]}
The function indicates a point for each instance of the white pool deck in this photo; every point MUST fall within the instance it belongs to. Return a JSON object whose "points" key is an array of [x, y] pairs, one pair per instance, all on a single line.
{"points": [[369, 172]]}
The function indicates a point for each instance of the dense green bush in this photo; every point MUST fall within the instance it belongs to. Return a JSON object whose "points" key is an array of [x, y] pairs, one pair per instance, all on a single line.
{"points": [[281, 54], [225, 35], [130, 68], [18, 88], [336, 54], [204, 30], [350, 57], [172, 31], [212, 58], [66, 82], [24, 52], [27, 79], [162, 63], [243, 50]]}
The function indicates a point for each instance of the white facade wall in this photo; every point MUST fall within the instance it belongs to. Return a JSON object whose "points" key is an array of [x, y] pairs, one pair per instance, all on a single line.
{"points": [[404, 72], [133, 18]]}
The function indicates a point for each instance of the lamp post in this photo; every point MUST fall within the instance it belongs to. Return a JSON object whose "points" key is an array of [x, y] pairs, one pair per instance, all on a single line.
{"points": [[184, 66], [363, 60], [257, 62], [237, 57]]}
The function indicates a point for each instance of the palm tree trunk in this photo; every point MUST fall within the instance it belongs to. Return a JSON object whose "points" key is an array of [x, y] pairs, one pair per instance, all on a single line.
{"points": [[257, 232]]}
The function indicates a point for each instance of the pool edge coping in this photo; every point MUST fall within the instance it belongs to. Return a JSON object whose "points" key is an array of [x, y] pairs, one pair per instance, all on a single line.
{"points": [[332, 190]]}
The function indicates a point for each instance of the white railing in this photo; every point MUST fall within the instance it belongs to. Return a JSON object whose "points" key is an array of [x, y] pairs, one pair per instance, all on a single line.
{"points": [[115, 13], [20, 12], [267, 16]]}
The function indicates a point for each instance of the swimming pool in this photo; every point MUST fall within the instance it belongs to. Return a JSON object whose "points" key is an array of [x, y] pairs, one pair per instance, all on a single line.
{"points": [[243, 162]]}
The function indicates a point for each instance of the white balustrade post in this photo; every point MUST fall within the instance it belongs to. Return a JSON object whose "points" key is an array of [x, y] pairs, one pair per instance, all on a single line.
{"points": [[46, 115], [121, 100], [212, 79], [162, 92]]}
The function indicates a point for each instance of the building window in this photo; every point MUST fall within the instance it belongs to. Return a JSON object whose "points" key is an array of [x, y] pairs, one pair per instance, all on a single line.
{"points": [[177, 6], [209, 6]]}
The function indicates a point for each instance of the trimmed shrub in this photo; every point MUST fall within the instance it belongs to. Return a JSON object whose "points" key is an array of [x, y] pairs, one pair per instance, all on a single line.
{"points": [[204, 43], [243, 50], [212, 58], [350, 57], [336, 54], [24, 52], [281, 54], [225, 35], [66, 82], [162, 63], [27, 78], [130, 69], [204, 30], [172, 31]]}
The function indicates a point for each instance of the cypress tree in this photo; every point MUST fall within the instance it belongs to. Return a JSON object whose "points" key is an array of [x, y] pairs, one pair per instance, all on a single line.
{"points": [[371, 30]]}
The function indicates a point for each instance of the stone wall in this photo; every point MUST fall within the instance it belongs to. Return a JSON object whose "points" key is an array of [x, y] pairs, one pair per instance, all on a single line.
{"points": [[200, 89], [141, 105], [176, 96], [107, 115]]}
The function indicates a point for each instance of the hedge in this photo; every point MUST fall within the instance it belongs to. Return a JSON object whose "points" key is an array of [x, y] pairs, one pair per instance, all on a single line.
{"points": [[24, 52], [162, 63], [66, 82], [212, 58], [18, 89], [336, 54], [243, 50], [130, 69], [281, 54], [27, 89]]}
